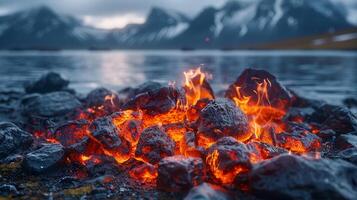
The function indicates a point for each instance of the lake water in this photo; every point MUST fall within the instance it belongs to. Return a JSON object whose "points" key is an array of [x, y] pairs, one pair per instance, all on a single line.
{"points": [[327, 75]]}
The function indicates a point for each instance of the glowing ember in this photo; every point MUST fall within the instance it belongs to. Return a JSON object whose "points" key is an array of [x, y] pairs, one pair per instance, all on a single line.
{"points": [[184, 127]]}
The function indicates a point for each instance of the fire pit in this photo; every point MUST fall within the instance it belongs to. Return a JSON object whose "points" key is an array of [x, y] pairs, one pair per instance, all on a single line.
{"points": [[259, 140]]}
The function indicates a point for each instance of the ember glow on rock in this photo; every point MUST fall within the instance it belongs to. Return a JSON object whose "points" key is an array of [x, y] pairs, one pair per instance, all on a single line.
{"points": [[229, 134]]}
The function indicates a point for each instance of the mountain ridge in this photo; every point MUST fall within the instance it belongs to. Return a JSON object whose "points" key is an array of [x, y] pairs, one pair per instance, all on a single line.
{"points": [[234, 25]]}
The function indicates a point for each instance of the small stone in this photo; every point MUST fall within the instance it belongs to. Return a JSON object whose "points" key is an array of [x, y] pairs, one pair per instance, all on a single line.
{"points": [[179, 173], [346, 141], [44, 158], [299, 141], [13, 139], [227, 158], [8, 190], [108, 135], [158, 101], [222, 118], [104, 100], [154, 144]]}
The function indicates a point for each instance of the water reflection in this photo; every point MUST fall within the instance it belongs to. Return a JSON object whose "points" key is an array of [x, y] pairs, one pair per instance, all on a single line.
{"points": [[326, 75]]}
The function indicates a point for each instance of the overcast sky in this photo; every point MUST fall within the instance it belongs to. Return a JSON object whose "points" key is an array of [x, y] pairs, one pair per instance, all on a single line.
{"points": [[118, 13]]}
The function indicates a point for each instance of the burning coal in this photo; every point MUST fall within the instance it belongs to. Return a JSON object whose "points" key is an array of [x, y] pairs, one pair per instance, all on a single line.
{"points": [[177, 137]]}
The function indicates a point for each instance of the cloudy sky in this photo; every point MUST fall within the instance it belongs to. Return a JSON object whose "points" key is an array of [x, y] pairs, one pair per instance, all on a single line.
{"points": [[118, 13]]}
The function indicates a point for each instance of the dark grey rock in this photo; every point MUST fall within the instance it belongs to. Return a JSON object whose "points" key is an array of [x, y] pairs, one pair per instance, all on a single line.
{"points": [[71, 133], [349, 154], [146, 87], [50, 82], [337, 118], [179, 173], [297, 177], [299, 141], [8, 190], [207, 191], [346, 141], [264, 150], [51, 104], [13, 139], [222, 118], [44, 158], [158, 101], [102, 97], [154, 144], [108, 135]]}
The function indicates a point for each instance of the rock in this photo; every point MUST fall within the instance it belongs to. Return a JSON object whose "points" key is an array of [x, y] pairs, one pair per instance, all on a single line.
{"points": [[8, 190], [222, 118], [346, 141], [264, 150], [296, 177], [350, 102], [13, 139], [299, 141], [71, 133], [227, 158], [158, 101], [50, 82], [327, 134], [146, 87], [248, 80], [337, 118], [51, 104], [102, 99], [207, 191], [44, 158], [349, 155], [108, 135], [154, 145], [179, 173]]}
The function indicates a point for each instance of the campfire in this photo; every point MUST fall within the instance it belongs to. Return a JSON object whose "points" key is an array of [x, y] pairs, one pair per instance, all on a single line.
{"points": [[259, 139]]}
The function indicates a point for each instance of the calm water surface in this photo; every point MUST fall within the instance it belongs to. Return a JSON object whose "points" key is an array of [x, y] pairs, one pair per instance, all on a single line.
{"points": [[328, 75]]}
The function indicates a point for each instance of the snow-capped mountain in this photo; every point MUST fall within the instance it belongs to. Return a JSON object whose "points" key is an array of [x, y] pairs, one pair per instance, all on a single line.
{"points": [[160, 27], [237, 24], [43, 28]]}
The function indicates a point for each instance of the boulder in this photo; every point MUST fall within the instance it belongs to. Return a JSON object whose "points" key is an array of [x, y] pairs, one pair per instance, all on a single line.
{"points": [[179, 173], [45, 158], [295, 177], [50, 82], [222, 118], [154, 144], [13, 139]]}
